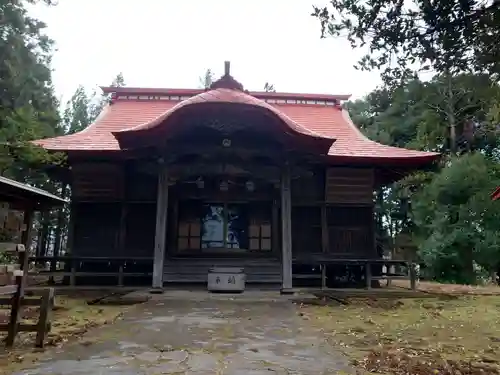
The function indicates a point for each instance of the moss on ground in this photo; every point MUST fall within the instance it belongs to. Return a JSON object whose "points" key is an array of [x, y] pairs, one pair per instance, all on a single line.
{"points": [[72, 316], [417, 336]]}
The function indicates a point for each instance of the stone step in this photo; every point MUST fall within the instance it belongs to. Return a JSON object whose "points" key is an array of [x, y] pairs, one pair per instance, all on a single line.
{"points": [[196, 270]]}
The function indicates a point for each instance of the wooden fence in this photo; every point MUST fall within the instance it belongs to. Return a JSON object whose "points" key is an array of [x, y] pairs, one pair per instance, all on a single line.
{"points": [[122, 268], [117, 267], [17, 300], [324, 261]]}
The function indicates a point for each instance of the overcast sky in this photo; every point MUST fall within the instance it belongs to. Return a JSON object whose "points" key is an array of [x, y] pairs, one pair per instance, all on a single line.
{"points": [[170, 43]]}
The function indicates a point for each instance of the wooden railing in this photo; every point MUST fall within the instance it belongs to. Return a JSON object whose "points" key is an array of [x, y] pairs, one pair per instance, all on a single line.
{"points": [[13, 296], [115, 267], [45, 302], [16, 290], [324, 261]]}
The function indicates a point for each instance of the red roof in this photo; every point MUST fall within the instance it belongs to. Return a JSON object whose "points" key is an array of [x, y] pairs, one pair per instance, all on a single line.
{"points": [[223, 95], [190, 92], [318, 116], [496, 194]]}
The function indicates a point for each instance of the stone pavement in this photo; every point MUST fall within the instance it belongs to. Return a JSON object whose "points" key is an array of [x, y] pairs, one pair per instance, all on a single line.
{"points": [[198, 333]]}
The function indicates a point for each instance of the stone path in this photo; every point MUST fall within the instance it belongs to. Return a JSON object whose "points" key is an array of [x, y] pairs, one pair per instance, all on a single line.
{"points": [[200, 336]]}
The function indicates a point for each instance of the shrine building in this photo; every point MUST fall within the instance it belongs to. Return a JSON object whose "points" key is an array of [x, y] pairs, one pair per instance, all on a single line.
{"points": [[197, 178]]}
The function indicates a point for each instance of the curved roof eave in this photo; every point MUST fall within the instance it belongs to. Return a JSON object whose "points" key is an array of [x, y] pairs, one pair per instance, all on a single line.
{"points": [[224, 96], [397, 154]]}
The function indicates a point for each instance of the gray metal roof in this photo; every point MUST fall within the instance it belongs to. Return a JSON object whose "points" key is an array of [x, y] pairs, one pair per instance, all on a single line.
{"points": [[19, 191]]}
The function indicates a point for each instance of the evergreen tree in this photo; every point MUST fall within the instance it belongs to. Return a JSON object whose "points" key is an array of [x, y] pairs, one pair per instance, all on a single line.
{"points": [[447, 211], [83, 108], [445, 36], [207, 79], [269, 87], [28, 107]]}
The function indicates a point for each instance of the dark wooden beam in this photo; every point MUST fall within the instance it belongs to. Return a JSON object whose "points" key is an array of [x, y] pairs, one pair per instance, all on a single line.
{"points": [[122, 226], [161, 227], [324, 241], [70, 244], [275, 227], [286, 230]]}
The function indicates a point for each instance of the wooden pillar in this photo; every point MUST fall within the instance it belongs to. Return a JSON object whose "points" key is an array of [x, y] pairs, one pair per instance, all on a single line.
{"points": [[70, 265], [122, 226], [275, 228], [26, 236], [413, 276], [368, 275], [71, 230], [26, 240], [161, 227], [122, 238], [286, 231], [324, 242]]}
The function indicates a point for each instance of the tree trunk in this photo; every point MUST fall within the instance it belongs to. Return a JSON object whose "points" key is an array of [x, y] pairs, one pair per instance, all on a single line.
{"points": [[468, 259], [452, 121], [44, 235]]}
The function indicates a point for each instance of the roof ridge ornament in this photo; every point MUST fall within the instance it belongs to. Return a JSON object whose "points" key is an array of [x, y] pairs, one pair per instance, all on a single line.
{"points": [[227, 81]]}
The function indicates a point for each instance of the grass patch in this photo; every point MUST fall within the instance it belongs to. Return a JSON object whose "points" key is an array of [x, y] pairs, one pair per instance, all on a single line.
{"points": [[72, 316], [452, 289], [416, 336]]}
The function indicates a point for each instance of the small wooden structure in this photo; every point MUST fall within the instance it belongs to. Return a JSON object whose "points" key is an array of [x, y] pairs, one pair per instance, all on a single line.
{"points": [[26, 199], [13, 296], [279, 184]]}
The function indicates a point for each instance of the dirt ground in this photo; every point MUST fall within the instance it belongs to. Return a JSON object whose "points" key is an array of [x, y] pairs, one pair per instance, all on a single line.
{"points": [[456, 330], [447, 335], [74, 314], [195, 333], [454, 289]]}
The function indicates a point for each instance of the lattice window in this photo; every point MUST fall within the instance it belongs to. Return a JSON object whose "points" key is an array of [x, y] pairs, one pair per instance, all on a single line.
{"points": [[189, 229], [260, 237], [259, 228], [189, 236], [224, 226]]}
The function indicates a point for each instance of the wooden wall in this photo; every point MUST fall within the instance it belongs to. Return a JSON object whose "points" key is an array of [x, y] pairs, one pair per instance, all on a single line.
{"points": [[114, 210], [350, 231], [349, 186], [309, 188], [332, 211], [140, 229], [96, 227], [97, 181], [306, 230]]}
